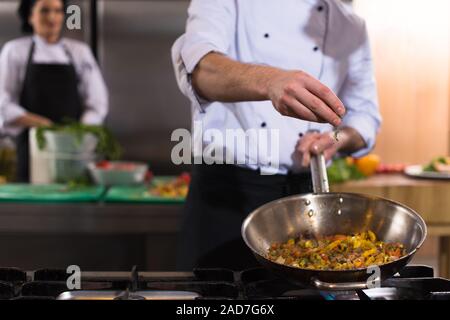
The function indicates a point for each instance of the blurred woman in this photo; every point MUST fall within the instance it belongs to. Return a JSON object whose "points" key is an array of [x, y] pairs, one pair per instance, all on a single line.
{"points": [[45, 78]]}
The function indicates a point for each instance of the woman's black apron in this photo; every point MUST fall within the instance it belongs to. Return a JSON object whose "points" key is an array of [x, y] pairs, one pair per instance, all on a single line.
{"points": [[49, 90], [220, 198]]}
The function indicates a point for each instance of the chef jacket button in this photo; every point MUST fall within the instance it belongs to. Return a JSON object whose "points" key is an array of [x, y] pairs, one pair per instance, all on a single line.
{"points": [[263, 125], [316, 48], [300, 134], [320, 8], [266, 35]]}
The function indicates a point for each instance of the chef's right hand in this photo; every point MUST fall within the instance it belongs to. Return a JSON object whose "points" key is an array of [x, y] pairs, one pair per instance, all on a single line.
{"points": [[297, 94], [30, 120]]}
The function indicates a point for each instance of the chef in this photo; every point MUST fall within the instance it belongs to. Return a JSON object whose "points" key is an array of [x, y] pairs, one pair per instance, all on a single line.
{"points": [[301, 67], [45, 78]]}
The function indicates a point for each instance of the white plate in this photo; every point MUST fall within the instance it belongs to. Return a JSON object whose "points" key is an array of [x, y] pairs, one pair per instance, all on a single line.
{"points": [[417, 172]]}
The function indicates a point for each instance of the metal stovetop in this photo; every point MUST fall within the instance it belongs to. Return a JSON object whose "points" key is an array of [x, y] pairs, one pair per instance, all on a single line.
{"points": [[413, 282]]}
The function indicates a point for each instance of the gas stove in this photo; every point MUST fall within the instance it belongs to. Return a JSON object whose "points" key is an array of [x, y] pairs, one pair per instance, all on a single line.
{"points": [[412, 283]]}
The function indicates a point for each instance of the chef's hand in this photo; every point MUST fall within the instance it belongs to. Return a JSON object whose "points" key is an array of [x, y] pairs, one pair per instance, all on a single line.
{"points": [[314, 143], [293, 93], [299, 95], [30, 120], [345, 139]]}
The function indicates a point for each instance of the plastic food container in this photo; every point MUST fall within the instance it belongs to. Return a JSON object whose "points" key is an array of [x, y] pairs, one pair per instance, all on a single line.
{"points": [[68, 143], [63, 159], [111, 173]]}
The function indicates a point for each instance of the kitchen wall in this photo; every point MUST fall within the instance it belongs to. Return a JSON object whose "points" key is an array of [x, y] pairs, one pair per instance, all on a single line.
{"points": [[411, 46], [9, 23], [134, 51]]}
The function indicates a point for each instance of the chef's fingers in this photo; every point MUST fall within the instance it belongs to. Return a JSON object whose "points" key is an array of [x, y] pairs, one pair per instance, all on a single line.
{"points": [[40, 121], [293, 108], [30, 120], [304, 147], [324, 142], [318, 107], [325, 94], [46, 122]]}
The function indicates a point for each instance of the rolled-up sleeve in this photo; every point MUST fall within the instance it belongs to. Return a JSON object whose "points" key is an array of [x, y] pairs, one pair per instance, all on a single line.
{"points": [[359, 95], [10, 86], [93, 90], [210, 28]]}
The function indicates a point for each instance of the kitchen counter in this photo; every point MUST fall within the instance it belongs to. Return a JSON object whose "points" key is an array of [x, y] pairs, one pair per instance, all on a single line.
{"points": [[95, 236], [430, 198], [89, 218], [89, 232]]}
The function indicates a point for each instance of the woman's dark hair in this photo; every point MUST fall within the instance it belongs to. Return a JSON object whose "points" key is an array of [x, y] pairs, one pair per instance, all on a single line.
{"points": [[24, 11]]}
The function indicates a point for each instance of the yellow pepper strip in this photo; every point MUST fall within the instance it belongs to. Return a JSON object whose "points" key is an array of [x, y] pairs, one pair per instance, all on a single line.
{"points": [[358, 263], [370, 261], [333, 245], [366, 245], [369, 252], [309, 244]]}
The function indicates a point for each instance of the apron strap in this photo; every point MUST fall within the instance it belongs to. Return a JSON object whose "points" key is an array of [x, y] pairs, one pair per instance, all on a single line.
{"points": [[66, 50], [71, 61], [68, 53], [30, 53]]}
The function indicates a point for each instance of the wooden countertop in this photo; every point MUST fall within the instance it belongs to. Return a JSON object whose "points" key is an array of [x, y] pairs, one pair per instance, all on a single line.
{"points": [[392, 180], [430, 198]]}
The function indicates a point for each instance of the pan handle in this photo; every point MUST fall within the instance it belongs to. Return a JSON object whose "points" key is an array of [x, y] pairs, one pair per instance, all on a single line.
{"points": [[344, 286], [319, 174]]}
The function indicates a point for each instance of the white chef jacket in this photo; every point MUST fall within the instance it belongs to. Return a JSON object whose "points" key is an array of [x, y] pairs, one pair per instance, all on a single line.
{"points": [[13, 63], [321, 37]]}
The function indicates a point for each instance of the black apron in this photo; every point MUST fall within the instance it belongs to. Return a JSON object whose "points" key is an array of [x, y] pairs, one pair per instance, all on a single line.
{"points": [[220, 198], [49, 90]]}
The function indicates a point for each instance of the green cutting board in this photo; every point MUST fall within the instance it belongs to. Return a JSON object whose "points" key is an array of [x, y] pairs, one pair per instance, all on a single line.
{"points": [[140, 194], [52, 193]]}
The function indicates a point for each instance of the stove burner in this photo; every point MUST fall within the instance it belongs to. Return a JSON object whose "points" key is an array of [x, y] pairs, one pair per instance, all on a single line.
{"points": [[13, 275], [412, 283], [50, 275], [6, 290]]}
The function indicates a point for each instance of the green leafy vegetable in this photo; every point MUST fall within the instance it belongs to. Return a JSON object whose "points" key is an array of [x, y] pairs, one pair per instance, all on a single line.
{"points": [[341, 171], [431, 167], [78, 184], [107, 146]]}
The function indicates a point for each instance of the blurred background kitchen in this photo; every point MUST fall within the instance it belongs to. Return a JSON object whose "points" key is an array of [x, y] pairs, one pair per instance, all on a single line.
{"points": [[132, 41]]}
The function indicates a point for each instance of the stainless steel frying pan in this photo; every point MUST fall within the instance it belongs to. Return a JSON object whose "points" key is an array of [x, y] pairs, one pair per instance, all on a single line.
{"points": [[323, 214]]}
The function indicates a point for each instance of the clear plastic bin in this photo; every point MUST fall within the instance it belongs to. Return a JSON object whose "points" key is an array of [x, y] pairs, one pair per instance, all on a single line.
{"points": [[63, 159]]}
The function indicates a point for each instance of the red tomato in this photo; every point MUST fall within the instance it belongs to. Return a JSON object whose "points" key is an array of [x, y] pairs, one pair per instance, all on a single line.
{"points": [[185, 177], [390, 168], [103, 164], [381, 168], [149, 176], [125, 166]]}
